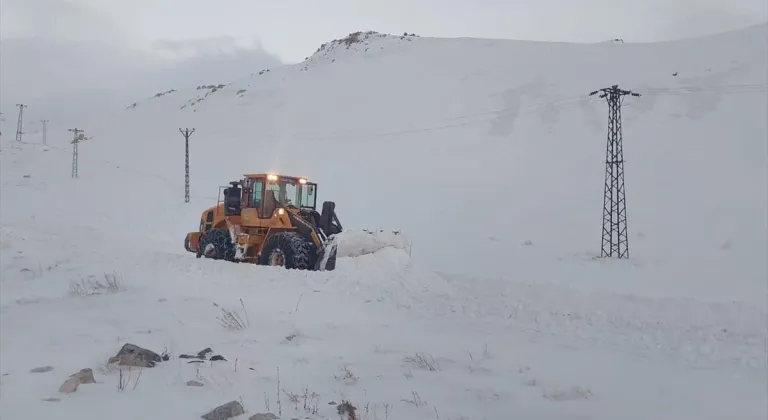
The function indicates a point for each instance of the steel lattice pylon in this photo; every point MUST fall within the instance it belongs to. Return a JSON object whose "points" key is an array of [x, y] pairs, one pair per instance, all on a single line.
{"points": [[615, 242], [76, 139], [20, 123]]}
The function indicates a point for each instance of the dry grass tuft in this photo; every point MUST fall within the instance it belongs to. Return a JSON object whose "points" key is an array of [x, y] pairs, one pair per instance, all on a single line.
{"points": [[112, 283], [423, 361], [232, 319]]}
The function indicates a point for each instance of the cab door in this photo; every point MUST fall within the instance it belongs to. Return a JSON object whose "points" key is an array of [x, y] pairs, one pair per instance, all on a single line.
{"points": [[253, 201]]}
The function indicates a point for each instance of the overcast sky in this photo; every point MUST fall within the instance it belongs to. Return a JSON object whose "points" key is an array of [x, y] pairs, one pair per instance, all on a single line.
{"points": [[293, 29], [54, 46]]}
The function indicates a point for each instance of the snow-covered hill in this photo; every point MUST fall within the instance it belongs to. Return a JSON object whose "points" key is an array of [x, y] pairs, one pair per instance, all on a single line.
{"points": [[488, 156], [417, 134]]}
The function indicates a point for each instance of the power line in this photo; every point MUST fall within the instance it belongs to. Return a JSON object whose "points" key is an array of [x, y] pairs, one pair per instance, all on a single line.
{"points": [[19, 124], [45, 131], [615, 241], [680, 90], [464, 120], [469, 119], [186, 133]]}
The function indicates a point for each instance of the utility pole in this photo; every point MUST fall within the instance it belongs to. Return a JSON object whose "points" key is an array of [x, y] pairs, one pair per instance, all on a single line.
{"points": [[18, 126], [615, 242], [186, 133], [76, 139], [45, 131]]}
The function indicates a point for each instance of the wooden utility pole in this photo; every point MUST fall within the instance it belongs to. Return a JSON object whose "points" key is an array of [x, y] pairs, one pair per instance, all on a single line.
{"points": [[45, 131], [186, 133]]}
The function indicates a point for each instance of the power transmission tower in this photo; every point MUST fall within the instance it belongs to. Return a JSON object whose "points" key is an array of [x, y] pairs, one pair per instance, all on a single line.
{"points": [[18, 126], [186, 133], [615, 242], [45, 131], [76, 139]]}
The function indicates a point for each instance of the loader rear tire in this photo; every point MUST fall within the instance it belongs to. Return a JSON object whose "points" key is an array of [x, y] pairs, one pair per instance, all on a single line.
{"points": [[289, 250], [221, 242]]}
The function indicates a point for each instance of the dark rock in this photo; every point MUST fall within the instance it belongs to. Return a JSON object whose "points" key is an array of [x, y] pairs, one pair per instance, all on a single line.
{"points": [[189, 356], [217, 357], [226, 411], [194, 383], [133, 355], [263, 416], [202, 354], [41, 369]]}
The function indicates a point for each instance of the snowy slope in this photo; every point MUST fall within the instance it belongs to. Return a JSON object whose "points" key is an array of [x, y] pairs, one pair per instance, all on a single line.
{"points": [[487, 154], [417, 134]]}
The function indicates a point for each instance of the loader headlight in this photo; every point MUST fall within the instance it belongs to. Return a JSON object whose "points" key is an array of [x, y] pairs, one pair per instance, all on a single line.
{"points": [[302, 181], [280, 211], [271, 177]]}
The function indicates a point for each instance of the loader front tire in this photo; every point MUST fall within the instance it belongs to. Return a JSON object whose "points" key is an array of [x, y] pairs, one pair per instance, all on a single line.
{"points": [[216, 244], [289, 250]]}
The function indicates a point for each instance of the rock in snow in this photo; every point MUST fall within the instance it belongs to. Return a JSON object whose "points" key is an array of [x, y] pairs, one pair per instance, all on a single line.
{"points": [[133, 355], [263, 416], [84, 376], [223, 412]]}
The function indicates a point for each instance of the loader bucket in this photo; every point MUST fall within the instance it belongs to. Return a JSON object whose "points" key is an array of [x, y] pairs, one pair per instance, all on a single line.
{"points": [[326, 257]]}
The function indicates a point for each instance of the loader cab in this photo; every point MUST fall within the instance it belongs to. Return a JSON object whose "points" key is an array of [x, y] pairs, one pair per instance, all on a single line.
{"points": [[269, 192]]}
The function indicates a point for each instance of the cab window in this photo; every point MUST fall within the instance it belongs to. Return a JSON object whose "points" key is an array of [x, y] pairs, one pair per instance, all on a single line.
{"points": [[256, 192], [308, 195], [285, 191]]}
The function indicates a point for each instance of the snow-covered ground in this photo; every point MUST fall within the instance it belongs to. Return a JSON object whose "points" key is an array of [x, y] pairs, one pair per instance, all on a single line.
{"points": [[486, 157]]}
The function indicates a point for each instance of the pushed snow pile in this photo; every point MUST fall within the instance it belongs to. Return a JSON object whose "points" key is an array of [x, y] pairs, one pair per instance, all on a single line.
{"points": [[355, 243]]}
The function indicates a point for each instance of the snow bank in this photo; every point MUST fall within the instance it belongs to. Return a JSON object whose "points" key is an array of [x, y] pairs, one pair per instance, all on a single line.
{"points": [[355, 243]]}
